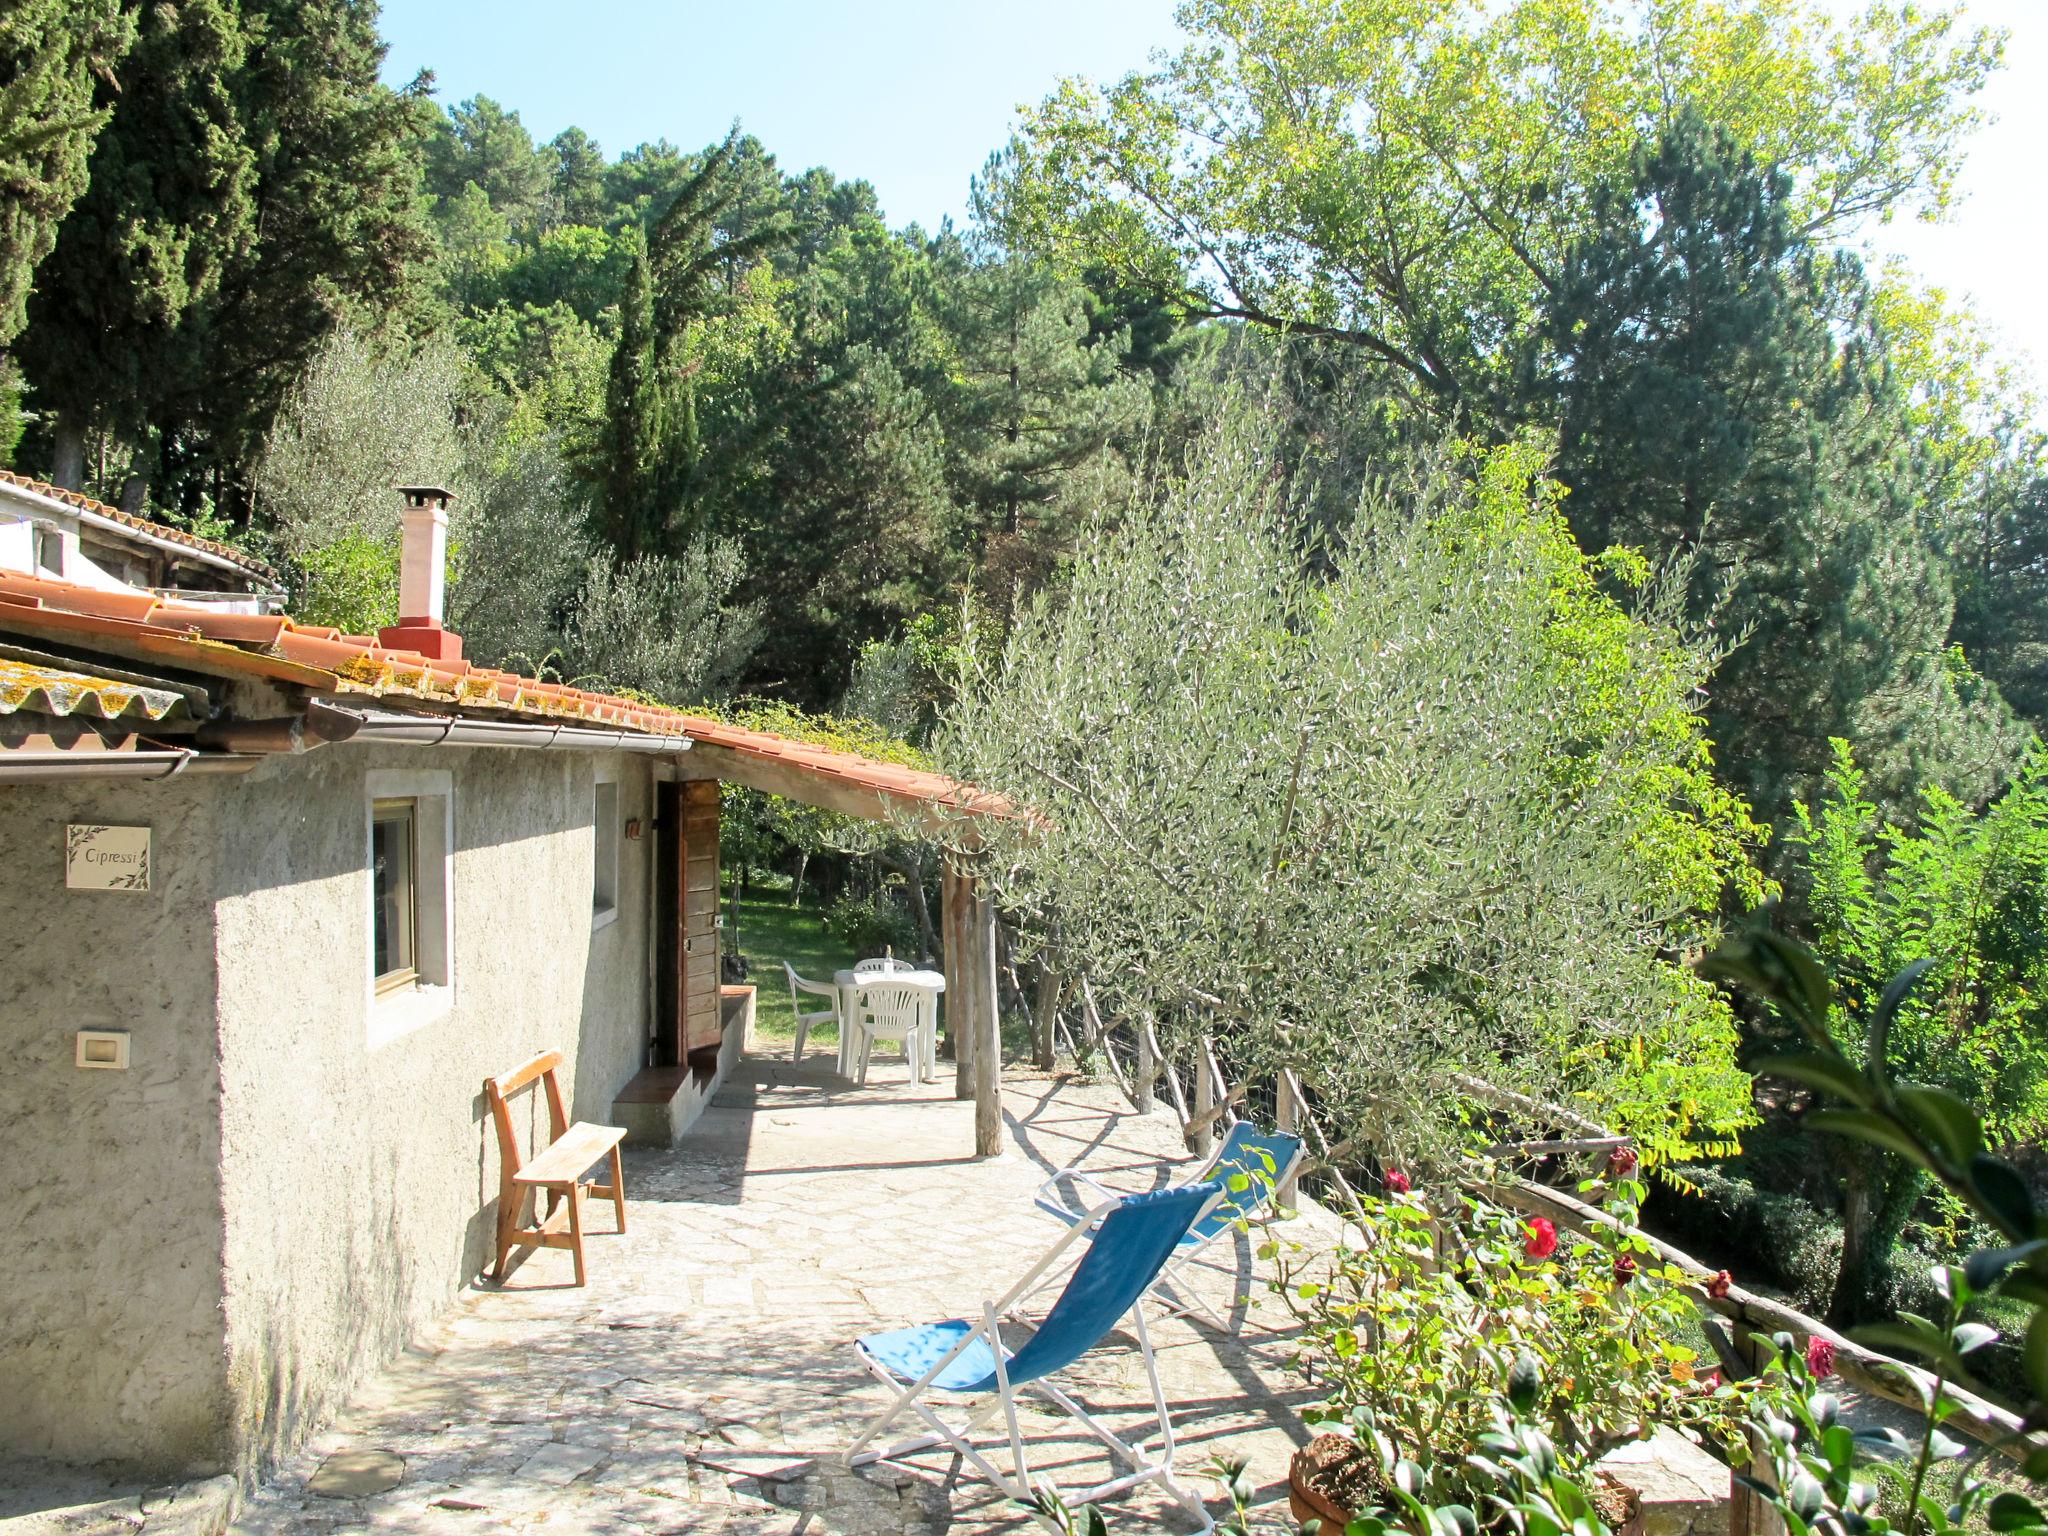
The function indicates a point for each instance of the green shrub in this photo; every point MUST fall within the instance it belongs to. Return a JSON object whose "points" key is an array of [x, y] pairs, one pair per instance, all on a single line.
{"points": [[869, 925]]}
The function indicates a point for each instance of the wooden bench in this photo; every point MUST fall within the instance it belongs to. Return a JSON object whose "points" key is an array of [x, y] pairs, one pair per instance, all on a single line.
{"points": [[571, 1152]]}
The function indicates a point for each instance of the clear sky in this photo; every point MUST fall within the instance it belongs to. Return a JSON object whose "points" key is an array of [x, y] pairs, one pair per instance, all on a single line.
{"points": [[914, 94]]}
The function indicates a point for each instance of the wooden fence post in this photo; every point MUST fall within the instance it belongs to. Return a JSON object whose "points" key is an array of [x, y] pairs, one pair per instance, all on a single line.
{"points": [[1286, 1116], [955, 898], [987, 1029], [1146, 1074], [1204, 1138]]}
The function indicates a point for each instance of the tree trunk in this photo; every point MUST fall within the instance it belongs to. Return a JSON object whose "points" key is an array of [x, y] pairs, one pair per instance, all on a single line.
{"points": [[1881, 1194], [796, 886], [1045, 1016], [927, 941], [732, 909], [67, 461], [135, 486]]}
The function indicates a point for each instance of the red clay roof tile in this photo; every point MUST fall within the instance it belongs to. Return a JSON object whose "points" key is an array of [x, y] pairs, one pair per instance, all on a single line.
{"points": [[204, 639], [83, 503]]}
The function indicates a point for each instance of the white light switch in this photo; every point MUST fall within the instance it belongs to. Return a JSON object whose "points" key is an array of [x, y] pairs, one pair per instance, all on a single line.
{"points": [[103, 1049]]}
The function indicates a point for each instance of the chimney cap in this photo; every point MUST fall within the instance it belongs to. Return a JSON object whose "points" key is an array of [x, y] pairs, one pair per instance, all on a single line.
{"points": [[425, 495]]}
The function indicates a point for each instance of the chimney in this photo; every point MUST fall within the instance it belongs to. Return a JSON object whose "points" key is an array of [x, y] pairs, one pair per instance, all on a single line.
{"points": [[423, 577]]}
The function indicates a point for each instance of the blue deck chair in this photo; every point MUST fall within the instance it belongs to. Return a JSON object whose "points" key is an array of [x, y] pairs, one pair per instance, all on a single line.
{"points": [[1265, 1158], [1132, 1239]]}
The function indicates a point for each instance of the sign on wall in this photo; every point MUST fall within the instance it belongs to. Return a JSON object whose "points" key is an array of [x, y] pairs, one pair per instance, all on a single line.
{"points": [[98, 858]]}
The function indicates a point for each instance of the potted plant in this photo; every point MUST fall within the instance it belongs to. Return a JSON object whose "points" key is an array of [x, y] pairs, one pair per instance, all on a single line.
{"points": [[1408, 1332]]}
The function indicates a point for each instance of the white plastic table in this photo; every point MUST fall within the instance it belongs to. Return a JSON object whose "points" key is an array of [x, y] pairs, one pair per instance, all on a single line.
{"points": [[932, 982]]}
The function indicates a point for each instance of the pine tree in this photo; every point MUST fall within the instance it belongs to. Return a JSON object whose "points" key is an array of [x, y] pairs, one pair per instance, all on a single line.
{"points": [[54, 56], [1725, 394], [576, 192], [1034, 403], [480, 143]]}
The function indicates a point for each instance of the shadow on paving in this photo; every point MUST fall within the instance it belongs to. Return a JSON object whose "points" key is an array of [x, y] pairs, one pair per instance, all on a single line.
{"points": [[705, 1377]]}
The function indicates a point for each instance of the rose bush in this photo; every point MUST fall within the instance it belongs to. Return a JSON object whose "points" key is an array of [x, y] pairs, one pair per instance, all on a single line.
{"points": [[1409, 1330]]}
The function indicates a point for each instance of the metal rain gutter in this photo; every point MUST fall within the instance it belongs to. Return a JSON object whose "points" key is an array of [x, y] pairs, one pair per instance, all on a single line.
{"points": [[51, 767], [441, 730]]}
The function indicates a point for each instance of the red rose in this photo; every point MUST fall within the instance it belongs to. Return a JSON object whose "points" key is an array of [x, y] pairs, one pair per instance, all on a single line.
{"points": [[1624, 1268], [1718, 1286], [1621, 1162], [1396, 1181], [1820, 1357], [1542, 1241]]}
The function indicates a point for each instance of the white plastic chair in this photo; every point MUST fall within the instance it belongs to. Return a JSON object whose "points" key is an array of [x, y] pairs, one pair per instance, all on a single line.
{"points": [[885, 1012], [805, 1021], [888, 965]]}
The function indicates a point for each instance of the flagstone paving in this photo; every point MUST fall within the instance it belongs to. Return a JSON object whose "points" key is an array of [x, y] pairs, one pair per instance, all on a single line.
{"points": [[703, 1381]]}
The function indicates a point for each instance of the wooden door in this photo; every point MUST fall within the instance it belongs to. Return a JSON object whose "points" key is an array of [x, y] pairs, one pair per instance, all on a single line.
{"points": [[698, 1000], [685, 921], [666, 1047]]}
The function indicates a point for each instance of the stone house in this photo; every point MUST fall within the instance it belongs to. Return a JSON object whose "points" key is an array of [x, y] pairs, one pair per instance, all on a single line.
{"points": [[279, 899]]}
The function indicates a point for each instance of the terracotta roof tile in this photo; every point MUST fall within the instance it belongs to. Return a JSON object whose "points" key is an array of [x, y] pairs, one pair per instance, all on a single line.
{"points": [[201, 638], [83, 503]]}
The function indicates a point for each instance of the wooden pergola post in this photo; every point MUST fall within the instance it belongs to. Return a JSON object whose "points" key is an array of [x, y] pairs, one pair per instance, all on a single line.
{"points": [[969, 920]]}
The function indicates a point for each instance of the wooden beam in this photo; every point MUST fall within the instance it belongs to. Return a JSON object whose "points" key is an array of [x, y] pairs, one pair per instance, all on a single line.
{"points": [[807, 786], [1879, 1375]]}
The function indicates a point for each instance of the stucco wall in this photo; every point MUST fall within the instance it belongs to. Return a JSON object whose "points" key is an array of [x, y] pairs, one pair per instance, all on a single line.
{"points": [[110, 1276], [359, 1174]]}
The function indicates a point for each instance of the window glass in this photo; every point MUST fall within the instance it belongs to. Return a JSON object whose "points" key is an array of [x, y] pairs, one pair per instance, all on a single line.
{"points": [[394, 851], [604, 818]]}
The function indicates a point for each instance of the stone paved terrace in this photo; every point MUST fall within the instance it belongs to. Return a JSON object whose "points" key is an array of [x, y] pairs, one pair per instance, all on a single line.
{"points": [[704, 1380]]}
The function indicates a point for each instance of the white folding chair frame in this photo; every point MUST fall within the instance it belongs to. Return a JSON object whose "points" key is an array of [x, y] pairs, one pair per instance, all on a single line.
{"points": [[1021, 1484], [1175, 1293]]}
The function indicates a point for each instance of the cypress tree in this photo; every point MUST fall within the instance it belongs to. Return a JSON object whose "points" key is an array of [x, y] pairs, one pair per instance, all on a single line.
{"points": [[254, 183], [54, 55], [342, 234], [170, 203], [631, 438]]}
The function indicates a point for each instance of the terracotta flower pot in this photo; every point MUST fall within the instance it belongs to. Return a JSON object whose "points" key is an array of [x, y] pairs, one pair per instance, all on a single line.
{"points": [[1309, 1502], [1310, 1473]]}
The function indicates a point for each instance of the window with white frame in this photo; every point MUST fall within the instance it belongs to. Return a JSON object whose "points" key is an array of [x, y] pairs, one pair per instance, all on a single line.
{"points": [[604, 870], [409, 828], [394, 894]]}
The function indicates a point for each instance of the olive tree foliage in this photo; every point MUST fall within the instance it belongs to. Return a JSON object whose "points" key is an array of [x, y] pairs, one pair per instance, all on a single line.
{"points": [[528, 584], [1406, 176], [663, 625], [1415, 802], [524, 537], [367, 416]]}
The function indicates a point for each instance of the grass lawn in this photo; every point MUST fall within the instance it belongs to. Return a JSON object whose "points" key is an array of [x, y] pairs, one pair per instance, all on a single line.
{"points": [[771, 933]]}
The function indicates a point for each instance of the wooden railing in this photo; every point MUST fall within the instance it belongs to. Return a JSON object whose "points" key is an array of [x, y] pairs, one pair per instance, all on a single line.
{"points": [[1740, 1324]]}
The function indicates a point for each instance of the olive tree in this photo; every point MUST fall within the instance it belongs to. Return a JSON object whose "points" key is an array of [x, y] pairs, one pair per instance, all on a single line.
{"points": [[1416, 802]]}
